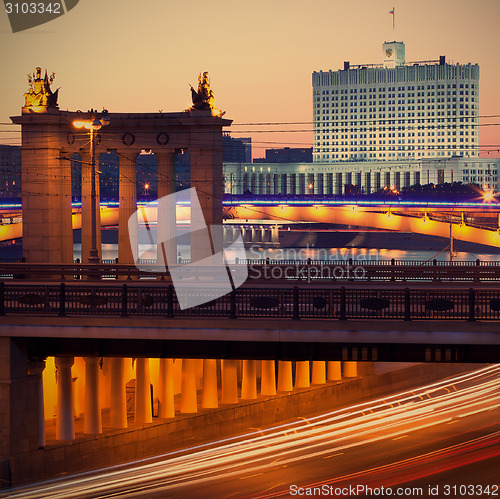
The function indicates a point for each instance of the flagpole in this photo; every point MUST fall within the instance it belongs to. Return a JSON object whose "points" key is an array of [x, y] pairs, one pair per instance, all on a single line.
{"points": [[393, 16]]}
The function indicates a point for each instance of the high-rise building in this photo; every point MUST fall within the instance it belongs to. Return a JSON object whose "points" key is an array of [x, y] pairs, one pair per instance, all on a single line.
{"points": [[396, 110]]}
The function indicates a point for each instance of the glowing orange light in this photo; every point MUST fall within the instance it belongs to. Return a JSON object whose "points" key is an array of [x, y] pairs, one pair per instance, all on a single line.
{"points": [[488, 196]]}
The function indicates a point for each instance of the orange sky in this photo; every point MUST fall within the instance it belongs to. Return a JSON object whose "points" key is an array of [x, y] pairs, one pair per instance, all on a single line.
{"points": [[141, 55]]}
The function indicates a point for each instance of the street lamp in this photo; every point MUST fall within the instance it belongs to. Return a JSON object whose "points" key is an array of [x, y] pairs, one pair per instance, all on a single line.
{"points": [[93, 124]]}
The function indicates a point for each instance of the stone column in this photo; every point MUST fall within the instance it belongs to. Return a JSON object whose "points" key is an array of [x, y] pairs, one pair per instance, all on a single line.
{"points": [[188, 390], [249, 380], [209, 399], [65, 424], [166, 392], [350, 369], [87, 206], [36, 369], [143, 412], [92, 422], [118, 399], [318, 373], [285, 382], [334, 371], [302, 374], [206, 177], [46, 189], [275, 238], [268, 378], [128, 204], [166, 219], [229, 382]]}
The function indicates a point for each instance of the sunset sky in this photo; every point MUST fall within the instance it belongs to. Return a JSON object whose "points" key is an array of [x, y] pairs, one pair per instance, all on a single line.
{"points": [[141, 56]]}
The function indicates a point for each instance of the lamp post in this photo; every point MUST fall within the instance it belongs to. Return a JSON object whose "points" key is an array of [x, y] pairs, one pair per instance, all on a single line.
{"points": [[93, 124]]}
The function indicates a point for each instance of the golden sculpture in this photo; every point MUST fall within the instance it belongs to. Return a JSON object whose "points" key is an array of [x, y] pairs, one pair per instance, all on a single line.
{"points": [[39, 94], [204, 99]]}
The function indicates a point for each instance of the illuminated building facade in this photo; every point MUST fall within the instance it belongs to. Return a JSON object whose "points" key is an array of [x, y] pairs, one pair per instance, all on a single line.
{"points": [[396, 110], [368, 176]]}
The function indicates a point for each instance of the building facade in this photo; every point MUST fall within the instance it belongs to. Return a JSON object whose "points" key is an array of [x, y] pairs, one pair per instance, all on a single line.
{"points": [[367, 176], [287, 155], [396, 110], [10, 172]]}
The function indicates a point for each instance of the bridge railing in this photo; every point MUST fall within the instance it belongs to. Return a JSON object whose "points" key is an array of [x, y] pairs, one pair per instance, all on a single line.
{"points": [[268, 270], [128, 300]]}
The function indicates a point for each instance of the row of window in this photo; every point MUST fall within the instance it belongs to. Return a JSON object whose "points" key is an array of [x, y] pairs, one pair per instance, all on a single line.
{"points": [[449, 86]]}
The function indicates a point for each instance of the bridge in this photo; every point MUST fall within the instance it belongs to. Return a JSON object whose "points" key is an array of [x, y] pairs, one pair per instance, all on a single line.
{"points": [[65, 328], [468, 221]]}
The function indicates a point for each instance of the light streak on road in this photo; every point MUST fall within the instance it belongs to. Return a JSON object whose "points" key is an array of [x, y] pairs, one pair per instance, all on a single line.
{"points": [[324, 436]]}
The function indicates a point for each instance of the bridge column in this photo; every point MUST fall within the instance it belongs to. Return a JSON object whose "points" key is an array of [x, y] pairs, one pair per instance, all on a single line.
{"points": [[143, 412], [302, 375], [209, 399], [229, 381], [249, 380], [350, 369], [318, 372], [275, 238], [86, 233], [188, 388], [127, 189], [268, 378], [46, 189], [36, 369], [65, 423], [166, 391], [334, 371], [92, 422], [206, 177], [166, 220], [118, 399], [285, 382]]}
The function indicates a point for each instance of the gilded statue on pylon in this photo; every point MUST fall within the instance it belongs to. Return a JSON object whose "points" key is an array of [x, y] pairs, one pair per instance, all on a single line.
{"points": [[39, 93], [204, 99]]}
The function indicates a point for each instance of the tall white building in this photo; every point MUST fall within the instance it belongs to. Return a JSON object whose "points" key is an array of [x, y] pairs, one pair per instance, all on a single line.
{"points": [[396, 110]]}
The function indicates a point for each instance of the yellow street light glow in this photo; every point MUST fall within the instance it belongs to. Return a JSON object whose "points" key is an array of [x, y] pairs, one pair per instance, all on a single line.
{"points": [[488, 196], [78, 124]]}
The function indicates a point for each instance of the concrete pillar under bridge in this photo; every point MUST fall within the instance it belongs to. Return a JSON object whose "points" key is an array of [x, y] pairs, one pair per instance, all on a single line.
{"points": [[19, 405]]}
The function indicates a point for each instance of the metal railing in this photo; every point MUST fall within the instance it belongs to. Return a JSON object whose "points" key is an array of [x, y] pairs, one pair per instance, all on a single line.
{"points": [[270, 270], [127, 300]]}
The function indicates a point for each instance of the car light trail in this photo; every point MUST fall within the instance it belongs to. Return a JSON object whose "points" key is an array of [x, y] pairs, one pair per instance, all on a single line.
{"points": [[334, 433]]}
